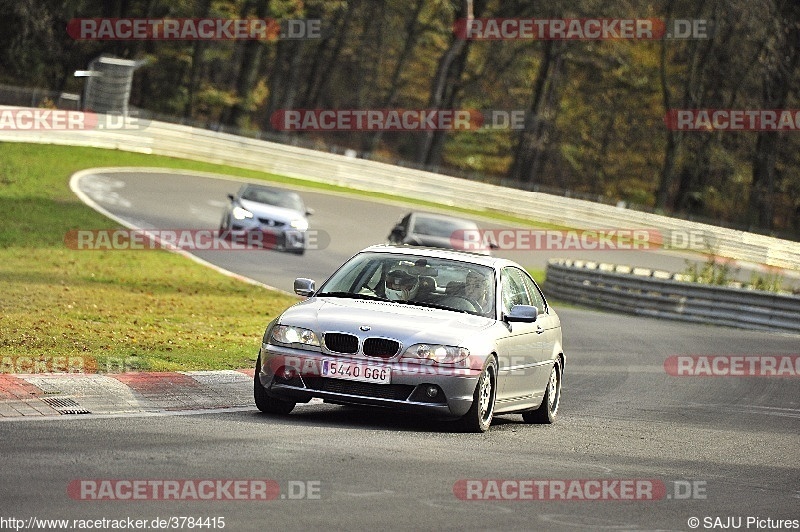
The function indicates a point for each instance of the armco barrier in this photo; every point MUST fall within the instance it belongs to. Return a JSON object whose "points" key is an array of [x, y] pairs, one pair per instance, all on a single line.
{"points": [[175, 140], [650, 294]]}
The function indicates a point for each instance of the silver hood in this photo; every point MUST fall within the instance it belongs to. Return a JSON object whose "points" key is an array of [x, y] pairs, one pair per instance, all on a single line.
{"points": [[273, 212], [406, 323]]}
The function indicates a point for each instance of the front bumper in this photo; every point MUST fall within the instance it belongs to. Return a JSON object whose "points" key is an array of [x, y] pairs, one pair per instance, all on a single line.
{"points": [[271, 237], [407, 391]]}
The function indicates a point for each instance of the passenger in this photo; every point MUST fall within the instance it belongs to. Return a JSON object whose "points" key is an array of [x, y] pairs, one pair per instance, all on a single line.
{"points": [[476, 289]]}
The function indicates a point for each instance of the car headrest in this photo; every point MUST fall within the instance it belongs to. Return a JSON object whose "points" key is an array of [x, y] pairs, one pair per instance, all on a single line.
{"points": [[426, 284], [454, 287]]}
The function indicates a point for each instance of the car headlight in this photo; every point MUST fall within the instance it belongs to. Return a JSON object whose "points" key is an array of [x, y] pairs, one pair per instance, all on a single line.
{"points": [[438, 354], [300, 225], [241, 213], [286, 334]]}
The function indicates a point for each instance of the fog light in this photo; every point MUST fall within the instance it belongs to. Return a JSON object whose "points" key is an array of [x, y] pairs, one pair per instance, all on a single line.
{"points": [[432, 391]]}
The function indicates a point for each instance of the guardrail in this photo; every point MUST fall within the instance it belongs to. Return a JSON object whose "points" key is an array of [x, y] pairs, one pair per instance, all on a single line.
{"points": [[175, 140], [658, 294]]}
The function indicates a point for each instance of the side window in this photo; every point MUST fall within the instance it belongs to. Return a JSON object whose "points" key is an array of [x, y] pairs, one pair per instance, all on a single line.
{"points": [[514, 291], [536, 296]]}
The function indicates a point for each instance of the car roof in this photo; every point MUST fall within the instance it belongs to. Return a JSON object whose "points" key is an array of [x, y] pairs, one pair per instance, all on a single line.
{"points": [[442, 253], [437, 216], [268, 189]]}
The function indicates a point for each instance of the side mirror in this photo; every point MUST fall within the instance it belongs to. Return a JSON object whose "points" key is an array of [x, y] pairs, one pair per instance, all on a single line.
{"points": [[230, 197], [304, 287], [522, 313], [397, 234], [309, 211]]}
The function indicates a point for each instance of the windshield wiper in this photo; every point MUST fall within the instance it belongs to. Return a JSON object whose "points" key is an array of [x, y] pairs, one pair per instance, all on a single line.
{"points": [[352, 296]]}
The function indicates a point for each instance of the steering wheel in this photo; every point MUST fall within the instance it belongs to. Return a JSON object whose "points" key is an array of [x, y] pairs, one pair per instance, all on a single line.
{"points": [[472, 303]]}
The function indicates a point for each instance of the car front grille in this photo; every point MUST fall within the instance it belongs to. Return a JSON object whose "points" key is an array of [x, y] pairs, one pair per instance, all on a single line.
{"points": [[271, 223], [397, 392], [341, 343], [381, 347]]}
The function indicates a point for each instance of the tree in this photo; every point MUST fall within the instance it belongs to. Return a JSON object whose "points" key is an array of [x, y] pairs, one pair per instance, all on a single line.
{"points": [[251, 54], [780, 64], [444, 85]]}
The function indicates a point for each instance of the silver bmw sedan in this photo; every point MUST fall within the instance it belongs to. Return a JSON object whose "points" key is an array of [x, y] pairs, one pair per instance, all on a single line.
{"points": [[448, 333]]}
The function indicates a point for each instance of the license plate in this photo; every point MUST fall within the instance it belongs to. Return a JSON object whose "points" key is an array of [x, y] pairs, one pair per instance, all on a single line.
{"points": [[353, 371]]}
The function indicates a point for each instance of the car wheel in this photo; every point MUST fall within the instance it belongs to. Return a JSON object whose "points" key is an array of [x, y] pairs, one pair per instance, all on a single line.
{"points": [[546, 413], [265, 403], [479, 417]]}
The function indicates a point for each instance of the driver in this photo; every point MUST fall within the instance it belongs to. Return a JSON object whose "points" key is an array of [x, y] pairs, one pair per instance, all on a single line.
{"points": [[401, 286], [476, 288]]}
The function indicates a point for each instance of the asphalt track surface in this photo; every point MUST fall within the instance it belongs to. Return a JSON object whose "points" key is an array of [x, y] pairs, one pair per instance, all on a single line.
{"points": [[733, 441]]}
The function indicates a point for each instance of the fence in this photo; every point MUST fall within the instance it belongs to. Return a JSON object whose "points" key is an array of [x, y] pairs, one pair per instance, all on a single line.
{"points": [[175, 140], [20, 96], [656, 294]]}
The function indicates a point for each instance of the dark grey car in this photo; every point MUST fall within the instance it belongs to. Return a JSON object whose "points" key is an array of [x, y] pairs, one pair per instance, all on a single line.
{"points": [[439, 231], [440, 332]]}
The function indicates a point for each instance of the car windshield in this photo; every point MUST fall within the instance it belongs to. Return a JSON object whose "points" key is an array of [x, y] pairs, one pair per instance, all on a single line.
{"points": [[415, 280], [271, 196], [440, 226]]}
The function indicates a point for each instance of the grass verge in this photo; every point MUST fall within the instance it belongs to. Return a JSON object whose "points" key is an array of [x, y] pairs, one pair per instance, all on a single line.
{"points": [[111, 310]]}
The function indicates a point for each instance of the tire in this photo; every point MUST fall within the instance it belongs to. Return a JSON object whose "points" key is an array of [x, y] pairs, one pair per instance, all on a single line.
{"points": [[265, 403], [548, 410], [224, 231], [479, 417]]}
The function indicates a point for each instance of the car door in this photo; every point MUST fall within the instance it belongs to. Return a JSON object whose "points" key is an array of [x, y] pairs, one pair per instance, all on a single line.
{"points": [[521, 358], [546, 319]]}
